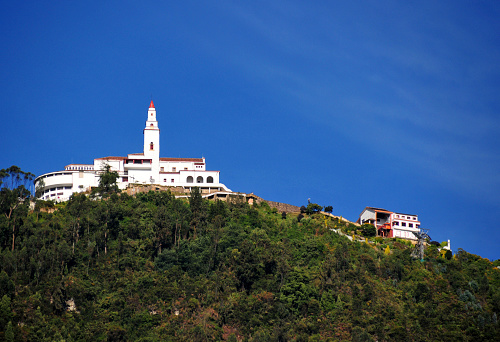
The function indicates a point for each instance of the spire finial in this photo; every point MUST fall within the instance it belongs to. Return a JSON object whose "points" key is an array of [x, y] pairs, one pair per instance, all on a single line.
{"points": [[151, 105]]}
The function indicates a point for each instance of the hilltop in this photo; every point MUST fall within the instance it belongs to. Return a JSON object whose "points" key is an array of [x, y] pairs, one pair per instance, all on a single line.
{"points": [[152, 267]]}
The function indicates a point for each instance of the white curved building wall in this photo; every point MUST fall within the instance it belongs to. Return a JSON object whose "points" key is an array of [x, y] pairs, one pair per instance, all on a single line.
{"points": [[59, 186]]}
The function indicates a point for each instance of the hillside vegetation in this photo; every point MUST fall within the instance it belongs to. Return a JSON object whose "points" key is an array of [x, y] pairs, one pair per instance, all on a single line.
{"points": [[156, 268]]}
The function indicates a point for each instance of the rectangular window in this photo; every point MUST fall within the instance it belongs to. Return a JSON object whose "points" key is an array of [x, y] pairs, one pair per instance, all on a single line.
{"points": [[185, 168], [403, 224], [164, 180], [125, 179], [162, 169], [174, 169], [395, 223], [410, 225], [418, 226], [172, 180]]}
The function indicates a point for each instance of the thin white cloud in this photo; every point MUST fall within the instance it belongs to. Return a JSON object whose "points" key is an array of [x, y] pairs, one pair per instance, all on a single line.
{"points": [[429, 84]]}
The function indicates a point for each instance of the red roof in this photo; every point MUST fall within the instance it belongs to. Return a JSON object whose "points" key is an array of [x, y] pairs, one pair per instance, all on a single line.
{"points": [[112, 158], [379, 210], [182, 159], [151, 105]]}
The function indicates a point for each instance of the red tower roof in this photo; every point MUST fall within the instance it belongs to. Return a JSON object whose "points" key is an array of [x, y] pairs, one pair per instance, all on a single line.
{"points": [[151, 105]]}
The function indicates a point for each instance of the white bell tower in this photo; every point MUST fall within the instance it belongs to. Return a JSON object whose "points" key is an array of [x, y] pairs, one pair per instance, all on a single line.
{"points": [[152, 143]]}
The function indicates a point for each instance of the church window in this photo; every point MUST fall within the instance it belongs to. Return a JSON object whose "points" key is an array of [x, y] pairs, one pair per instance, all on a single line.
{"points": [[151, 146]]}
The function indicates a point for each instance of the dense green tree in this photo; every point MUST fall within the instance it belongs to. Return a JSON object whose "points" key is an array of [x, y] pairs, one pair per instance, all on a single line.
{"points": [[107, 181], [5, 312], [154, 267], [9, 332], [313, 208], [14, 198], [368, 230]]}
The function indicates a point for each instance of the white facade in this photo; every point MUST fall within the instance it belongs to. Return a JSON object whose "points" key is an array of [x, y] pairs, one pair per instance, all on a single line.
{"points": [[404, 225], [390, 224], [137, 168]]}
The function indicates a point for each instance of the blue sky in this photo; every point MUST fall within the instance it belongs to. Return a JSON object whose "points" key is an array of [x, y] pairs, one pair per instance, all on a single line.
{"points": [[368, 103]]}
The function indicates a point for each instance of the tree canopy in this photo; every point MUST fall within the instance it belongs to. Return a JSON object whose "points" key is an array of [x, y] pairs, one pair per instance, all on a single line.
{"points": [[153, 267], [107, 181]]}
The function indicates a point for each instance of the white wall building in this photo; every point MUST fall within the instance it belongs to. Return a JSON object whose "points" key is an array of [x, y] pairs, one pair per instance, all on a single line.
{"points": [[390, 224], [136, 168]]}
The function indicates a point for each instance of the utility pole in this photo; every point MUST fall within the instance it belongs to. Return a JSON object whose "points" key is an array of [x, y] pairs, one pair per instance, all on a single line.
{"points": [[422, 235]]}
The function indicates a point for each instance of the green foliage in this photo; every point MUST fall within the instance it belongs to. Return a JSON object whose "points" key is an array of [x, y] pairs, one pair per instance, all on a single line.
{"points": [[152, 267], [107, 181], [368, 230], [313, 208], [9, 332]]}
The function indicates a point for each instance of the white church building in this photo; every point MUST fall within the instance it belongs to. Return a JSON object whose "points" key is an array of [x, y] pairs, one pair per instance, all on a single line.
{"points": [[136, 168]]}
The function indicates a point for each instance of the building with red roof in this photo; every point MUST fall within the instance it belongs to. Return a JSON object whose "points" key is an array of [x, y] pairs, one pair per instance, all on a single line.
{"points": [[146, 167], [391, 224]]}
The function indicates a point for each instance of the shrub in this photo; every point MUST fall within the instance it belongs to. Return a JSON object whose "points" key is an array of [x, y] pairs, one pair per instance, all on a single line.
{"points": [[368, 229]]}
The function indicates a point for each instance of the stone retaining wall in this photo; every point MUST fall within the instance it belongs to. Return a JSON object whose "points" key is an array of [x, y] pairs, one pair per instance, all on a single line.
{"points": [[283, 207]]}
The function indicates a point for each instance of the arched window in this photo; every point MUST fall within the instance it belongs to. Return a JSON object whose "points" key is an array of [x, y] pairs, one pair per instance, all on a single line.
{"points": [[151, 125], [151, 146], [199, 179], [210, 179], [189, 179]]}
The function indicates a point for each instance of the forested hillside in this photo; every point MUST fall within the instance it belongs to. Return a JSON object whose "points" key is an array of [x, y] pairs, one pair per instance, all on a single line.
{"points": [[156, 268]]}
